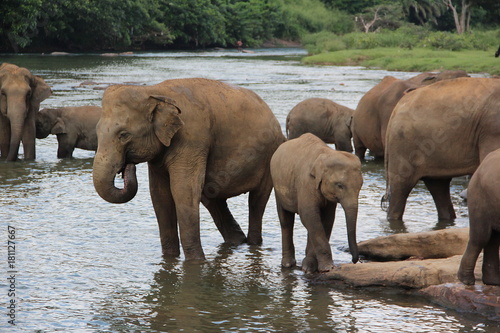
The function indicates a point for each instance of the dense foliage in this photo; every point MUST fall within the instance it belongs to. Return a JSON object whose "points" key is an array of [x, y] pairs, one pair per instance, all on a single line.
{"points": [[43, 25]]}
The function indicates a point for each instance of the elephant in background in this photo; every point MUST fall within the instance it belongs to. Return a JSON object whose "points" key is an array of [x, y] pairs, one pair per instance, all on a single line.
{"points": [[439, 132], [75, 127], [204, 141], [310, 179], [370, 119], [484, 222], [21, 95], [329, 121]]}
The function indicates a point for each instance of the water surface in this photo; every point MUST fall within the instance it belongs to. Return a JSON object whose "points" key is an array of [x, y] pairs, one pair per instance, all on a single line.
{"points": [[85, 265]]}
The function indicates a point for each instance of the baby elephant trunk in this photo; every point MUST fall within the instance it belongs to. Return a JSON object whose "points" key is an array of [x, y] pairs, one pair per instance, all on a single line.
{"points": [[351, 217]]}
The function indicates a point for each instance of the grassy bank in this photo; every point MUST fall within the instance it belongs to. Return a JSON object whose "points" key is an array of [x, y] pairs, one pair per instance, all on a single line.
{"points": [[414, 60]]}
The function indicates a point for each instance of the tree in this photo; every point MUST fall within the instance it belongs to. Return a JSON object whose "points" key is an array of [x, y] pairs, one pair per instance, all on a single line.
{"points": [[424, 10], [381, 16]]}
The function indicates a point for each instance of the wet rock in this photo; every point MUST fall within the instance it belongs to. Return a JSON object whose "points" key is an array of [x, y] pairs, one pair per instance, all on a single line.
{"points": [[433, 244], [479, 298], [414, 274]]}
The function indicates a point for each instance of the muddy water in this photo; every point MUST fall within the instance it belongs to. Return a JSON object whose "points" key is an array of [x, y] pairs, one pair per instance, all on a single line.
{"points": [[85, 265]]}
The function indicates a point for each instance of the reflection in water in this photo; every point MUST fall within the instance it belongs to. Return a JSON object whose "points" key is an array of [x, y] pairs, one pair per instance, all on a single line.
{"points": [[89, 266]]}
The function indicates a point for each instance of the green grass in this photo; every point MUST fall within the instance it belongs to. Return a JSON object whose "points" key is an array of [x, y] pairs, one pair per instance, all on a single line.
{"points": [[415, 60]]}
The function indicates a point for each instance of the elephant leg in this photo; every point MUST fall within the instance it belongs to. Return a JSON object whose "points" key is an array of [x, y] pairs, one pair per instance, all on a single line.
{"points": [[477, 241], [4, 136], [257, 201], [224, 220], [359, 148], [318, 245], [186, 184], [491, 260], [65, 148], [28, 139], [328, 218], [311, 261], [164, 206], [440, 191], [287, 220], [398, 195]]}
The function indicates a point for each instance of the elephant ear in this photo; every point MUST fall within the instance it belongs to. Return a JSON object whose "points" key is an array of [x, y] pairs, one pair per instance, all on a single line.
{"points": [[40, 91], [59, 127], [318, 169], [164, 114]]}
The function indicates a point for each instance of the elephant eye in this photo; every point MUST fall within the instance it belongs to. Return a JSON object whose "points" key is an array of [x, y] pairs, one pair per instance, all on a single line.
{"points": [[124, 136], [340, 185]]}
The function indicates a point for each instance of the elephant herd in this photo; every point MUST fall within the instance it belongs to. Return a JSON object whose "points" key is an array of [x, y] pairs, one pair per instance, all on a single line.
{"points": [[206, 141]]}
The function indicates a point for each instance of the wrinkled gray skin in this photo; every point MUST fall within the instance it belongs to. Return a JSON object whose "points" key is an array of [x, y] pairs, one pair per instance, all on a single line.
{"points": [[75, 127], [439, 132], [310, 179], [21, 95], [329, 121], [484, 222], [370, 119], [204, 141]]}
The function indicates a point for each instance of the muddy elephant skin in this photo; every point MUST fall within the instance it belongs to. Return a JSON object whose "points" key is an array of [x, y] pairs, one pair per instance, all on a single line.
{"points": [[75, 127], [21, 95], [439, 132], [370, 119], [204, 141], [309, 179], [329, 121], [483, 200]]}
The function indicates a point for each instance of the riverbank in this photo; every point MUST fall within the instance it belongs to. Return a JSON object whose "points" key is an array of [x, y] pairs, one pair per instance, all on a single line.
{"points": [[414, 60]]}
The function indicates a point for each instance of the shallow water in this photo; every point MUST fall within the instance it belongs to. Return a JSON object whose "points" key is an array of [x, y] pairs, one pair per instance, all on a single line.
{"points": [[85, 265]]}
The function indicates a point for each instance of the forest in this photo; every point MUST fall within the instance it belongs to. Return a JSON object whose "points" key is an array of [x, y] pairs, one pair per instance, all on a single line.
{"points": [[320, 25]]}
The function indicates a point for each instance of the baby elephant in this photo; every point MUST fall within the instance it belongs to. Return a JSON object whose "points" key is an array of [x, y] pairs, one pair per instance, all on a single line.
{"points": [[75, 127], [329, 121], [310, 178], [483, 198]]}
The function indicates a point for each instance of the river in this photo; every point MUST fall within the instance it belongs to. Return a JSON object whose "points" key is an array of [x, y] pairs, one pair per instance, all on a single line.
{"points": [[85, 265]]}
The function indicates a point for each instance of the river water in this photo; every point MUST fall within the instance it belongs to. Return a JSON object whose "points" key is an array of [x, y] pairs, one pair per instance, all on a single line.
{"points": [[85, 265]]}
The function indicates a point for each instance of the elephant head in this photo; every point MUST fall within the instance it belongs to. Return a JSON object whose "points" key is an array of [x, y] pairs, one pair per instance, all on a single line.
{"points": [[47, 122], [21, 95], [339, 179], [136, 126]]}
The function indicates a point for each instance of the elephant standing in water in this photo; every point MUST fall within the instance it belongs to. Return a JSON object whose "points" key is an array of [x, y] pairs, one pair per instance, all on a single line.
{"points": [[329, 121], [310, 179], [75, 127], [439, 132], [21, 95], [370, 119], [204, 141], [484, 222]]}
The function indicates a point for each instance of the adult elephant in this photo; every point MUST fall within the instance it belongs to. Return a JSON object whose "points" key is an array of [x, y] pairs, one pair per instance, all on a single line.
{"points": [[21, 95], [203, 140], [370, 119], [74, 126], [484, 222], [437, 133], [329, 121]]}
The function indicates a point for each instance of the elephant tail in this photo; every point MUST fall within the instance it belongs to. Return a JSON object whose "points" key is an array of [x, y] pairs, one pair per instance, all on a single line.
{"points": [[384, 201]]}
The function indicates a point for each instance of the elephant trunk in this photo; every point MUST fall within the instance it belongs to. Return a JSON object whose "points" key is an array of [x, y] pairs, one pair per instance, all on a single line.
{"points": [[16, 112], [104, 172], [351, 217]]}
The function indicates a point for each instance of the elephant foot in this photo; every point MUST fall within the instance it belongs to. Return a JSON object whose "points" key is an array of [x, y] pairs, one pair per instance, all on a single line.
{"points": [[310, 265], [466, 278], [254, 239], [491, 279], [288, 262], [236, 239]]}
